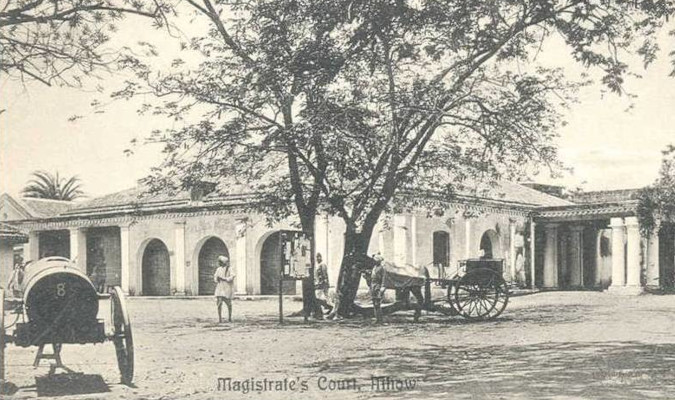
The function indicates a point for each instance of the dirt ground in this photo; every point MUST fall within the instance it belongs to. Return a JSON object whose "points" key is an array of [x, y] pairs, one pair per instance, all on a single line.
{"points": [[546, 345]]}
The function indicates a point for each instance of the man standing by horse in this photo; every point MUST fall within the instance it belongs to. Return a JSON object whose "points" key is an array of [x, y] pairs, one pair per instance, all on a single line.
{"points": [[377, 287], [321, 284]]}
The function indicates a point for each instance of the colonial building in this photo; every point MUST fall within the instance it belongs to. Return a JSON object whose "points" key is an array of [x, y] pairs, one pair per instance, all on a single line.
{"points": [[167, 245]]}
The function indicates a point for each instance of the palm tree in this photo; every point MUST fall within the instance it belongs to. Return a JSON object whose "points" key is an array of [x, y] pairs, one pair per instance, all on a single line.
{"points": [[47, 186]]}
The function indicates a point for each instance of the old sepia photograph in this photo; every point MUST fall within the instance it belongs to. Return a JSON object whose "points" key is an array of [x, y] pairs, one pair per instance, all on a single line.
{"points": [[337, 199]]}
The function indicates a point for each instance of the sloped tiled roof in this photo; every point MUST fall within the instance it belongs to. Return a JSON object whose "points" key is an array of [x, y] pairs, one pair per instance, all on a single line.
{"points": [[606, 196], [45, 208], [511, 192], [139, 200], [11, 234]]}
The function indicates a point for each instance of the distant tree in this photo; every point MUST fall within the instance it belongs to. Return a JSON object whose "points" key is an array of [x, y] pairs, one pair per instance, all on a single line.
{"points": [[59, 41], [657, 202], [47, 186], [350, 106]]}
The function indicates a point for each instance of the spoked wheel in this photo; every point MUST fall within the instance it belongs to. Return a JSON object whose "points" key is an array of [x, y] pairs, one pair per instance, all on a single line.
{"points": [[481, 295], [122, 338]]}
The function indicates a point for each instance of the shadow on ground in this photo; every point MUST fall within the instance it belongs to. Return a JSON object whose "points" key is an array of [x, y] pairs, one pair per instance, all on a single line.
{"points": [[616, 370], [69, 384]]}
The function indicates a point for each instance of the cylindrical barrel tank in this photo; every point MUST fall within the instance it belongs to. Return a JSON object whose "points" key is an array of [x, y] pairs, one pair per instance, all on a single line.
{"points": [[56, 293]]}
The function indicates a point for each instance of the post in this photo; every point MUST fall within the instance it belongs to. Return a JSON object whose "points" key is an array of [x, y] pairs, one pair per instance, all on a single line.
{"points": [[551, 257], [32, 248], [467, 238], [124, 258], [577, 261], [281, 296], [241, 230], [533, 242], [402, 239], [618, 256], [413, 238], [633, 268], [78, 248], [512, 251], [179, 252]]}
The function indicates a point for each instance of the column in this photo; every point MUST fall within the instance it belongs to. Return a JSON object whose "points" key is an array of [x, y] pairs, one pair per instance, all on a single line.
{"points": [[179, 256], [551, 257], [653, 258], [533, 242], [402, 228], [31, 250], [413, 239], [241, 230], [599, 262], [576, 264], [618, 255], [633, 268], [321, 236], [78, 248], [467, 238], [125, 256], [512, 250]]}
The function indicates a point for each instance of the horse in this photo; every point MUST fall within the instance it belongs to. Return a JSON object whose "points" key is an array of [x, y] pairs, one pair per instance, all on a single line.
{"points": [[404, 279]]}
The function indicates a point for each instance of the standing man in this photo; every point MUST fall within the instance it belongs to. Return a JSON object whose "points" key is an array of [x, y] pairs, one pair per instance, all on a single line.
{"points": [[224, 287], [321, 284], [16, 280], [377, 287]]}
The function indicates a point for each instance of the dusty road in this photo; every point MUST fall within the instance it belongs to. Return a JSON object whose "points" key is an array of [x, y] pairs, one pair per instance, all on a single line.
{"points": [[548, 345]]}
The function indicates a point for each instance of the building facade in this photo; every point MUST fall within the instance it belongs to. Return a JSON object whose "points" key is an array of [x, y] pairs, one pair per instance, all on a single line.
{"points": [[165, 246]]}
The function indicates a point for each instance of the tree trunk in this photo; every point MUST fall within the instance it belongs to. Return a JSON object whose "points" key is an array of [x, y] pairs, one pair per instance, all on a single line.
{"points": [[356, 246], [309, 304]]}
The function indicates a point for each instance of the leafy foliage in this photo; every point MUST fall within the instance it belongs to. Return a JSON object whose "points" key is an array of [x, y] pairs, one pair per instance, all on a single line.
{"points": [[348, 106], [59, 41], [656, 203], [47, 186]]}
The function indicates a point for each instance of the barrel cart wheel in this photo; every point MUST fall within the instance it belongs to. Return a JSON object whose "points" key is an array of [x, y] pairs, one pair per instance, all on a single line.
{"points": [[480, 295], [122, 337]]}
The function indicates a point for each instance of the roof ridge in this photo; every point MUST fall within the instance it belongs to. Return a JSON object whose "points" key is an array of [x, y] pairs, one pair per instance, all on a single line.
{"points": [[49, 200]]}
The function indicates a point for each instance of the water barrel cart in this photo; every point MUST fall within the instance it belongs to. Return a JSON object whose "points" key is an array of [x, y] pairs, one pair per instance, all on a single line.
{"points": [[60, 305]]}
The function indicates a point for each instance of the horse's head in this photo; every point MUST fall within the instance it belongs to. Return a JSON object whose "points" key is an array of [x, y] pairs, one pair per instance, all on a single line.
{"points": [[362, 262]]}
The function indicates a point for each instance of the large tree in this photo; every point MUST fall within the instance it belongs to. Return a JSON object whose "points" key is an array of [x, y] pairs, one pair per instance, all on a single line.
{"points": [[45, 185], [346, 106], [61, 41]]}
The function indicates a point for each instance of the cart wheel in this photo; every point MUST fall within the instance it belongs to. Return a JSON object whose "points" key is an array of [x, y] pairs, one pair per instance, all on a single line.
{"points": [[481, 295], [122, 338]]}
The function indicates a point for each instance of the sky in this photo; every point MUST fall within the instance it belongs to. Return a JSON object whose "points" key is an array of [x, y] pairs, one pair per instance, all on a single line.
{"points": [[607, 146]]}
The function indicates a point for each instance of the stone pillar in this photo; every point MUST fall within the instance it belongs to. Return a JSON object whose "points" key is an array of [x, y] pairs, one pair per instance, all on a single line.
{"points": [[551, 256], [533, 231], [78, 248], [652, 259], [576, 264], [467, 238], [31, 250], [618, 254], [413, 239], [240, 251], [125, 256], [512, 250], [633, 267], [402, 228], [321, 236], [179, 256]]}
